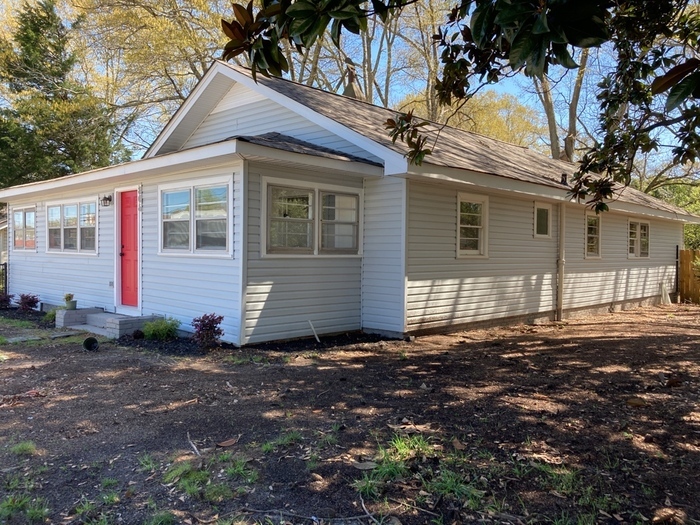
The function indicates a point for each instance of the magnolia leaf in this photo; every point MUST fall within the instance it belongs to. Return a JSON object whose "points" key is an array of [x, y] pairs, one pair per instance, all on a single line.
{"points": [[241, 14], [681, 91], [673, 76]]}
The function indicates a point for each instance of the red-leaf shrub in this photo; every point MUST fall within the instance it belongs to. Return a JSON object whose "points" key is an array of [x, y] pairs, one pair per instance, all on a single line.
{"points": [[28, 301], [207, 331]]}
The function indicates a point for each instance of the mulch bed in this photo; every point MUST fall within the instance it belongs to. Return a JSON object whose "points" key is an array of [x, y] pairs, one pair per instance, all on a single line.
{"points": [[611, 399]]}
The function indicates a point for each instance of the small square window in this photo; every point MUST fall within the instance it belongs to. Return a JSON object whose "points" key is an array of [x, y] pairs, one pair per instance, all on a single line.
{"points": [[543, 220]]}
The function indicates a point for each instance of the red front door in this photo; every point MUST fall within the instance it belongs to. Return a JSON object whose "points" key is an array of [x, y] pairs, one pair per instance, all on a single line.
{"points": [[129, 253]]}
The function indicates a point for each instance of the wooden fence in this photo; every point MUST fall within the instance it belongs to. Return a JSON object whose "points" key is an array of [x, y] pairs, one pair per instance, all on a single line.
{"points": [[688, 283]]}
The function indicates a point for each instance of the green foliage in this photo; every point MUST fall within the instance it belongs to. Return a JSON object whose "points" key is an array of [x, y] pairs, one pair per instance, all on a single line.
{"points": [[53, 126], [50, 316], [161, 329], [24, 448], [485, 41], [161, 518]]}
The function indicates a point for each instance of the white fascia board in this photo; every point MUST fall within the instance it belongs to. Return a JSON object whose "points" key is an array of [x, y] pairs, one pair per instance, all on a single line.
{"points": [[546, 193], [201, 157], [205, 156], [395, 163], [181, 113]]}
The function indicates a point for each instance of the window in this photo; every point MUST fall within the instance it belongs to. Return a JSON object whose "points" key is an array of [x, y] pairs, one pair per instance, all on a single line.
{"points": [[24, 229], [195, 219], [592, 235], [312, 221], [472, 230], [291, 220], [339, 222], [638, 239], [72, 227], [543, 225]]}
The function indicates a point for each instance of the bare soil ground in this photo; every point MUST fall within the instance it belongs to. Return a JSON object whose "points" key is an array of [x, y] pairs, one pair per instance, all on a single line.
{"points": [[594, 420]]}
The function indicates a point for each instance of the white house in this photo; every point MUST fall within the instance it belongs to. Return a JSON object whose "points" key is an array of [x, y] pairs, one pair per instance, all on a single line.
{"points": [[275, 204]]}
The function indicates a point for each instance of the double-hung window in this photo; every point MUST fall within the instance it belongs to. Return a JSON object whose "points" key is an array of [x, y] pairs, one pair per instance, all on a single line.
{"points": [[195, 219], [472, 225], [312, 221], [24, 229], [592, 235], [638, 239], [72, 227]]}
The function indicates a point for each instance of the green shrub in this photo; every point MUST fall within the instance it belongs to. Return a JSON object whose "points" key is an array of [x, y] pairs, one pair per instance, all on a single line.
{"points": [[161, 329]]}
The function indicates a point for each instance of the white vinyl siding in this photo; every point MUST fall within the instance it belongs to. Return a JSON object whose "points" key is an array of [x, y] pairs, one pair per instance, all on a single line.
{"points": [[242, 112], [189, 285], [616, 277], [384, 251], [285, 292], [51, 275], [516, 279]]}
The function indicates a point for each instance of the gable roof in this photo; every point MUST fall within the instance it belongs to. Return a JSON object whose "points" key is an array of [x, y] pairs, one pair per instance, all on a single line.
{"points": [[360, 122]]}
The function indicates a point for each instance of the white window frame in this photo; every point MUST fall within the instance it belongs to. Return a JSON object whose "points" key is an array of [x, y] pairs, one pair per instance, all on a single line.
{"points": [[599, 236], [73, 202], [11, 219], [637, 246], [316, 211], [542, 206], [192, 185], [483, 250]]}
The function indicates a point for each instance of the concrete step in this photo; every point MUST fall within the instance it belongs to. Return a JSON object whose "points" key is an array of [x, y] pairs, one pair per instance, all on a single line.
{"points": [[103, 319], [97, 321]]}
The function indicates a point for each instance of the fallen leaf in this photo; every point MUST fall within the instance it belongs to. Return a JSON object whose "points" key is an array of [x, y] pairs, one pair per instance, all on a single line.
{"points": [[229, 442], [636, 402], [456, 443], [364, 465]]}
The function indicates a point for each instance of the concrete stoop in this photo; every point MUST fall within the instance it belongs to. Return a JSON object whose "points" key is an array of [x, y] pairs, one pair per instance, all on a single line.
{"points": [[97, 321]]}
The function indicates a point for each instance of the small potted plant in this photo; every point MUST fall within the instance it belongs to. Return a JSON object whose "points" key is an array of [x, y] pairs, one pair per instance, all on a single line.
{"points": [[71, 304]]}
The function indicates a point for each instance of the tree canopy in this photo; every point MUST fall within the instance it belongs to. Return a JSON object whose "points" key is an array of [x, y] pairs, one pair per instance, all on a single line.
{"points": [[50, 125], [654, 84]]}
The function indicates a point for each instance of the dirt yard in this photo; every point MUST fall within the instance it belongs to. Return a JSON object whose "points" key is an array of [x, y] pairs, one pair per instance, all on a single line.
{"points": [[595, 420]]}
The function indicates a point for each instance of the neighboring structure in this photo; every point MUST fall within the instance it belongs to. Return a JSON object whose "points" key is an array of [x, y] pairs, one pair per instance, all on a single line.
{"points": [[280, 206]]}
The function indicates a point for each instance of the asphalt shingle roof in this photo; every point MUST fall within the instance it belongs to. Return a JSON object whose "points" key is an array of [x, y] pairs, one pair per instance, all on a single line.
{"points": [[454, 148]]}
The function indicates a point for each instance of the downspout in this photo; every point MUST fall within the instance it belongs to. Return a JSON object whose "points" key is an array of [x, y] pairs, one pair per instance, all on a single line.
{"points": [[561, 262]]}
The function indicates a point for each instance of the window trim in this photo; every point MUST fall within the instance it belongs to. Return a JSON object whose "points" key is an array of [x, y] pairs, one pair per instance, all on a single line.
{"points": [[599, 255], [191, 185], [483, 251], [316, 189], [93, 199], [11, 220], [548, 207], [638, 243]]}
